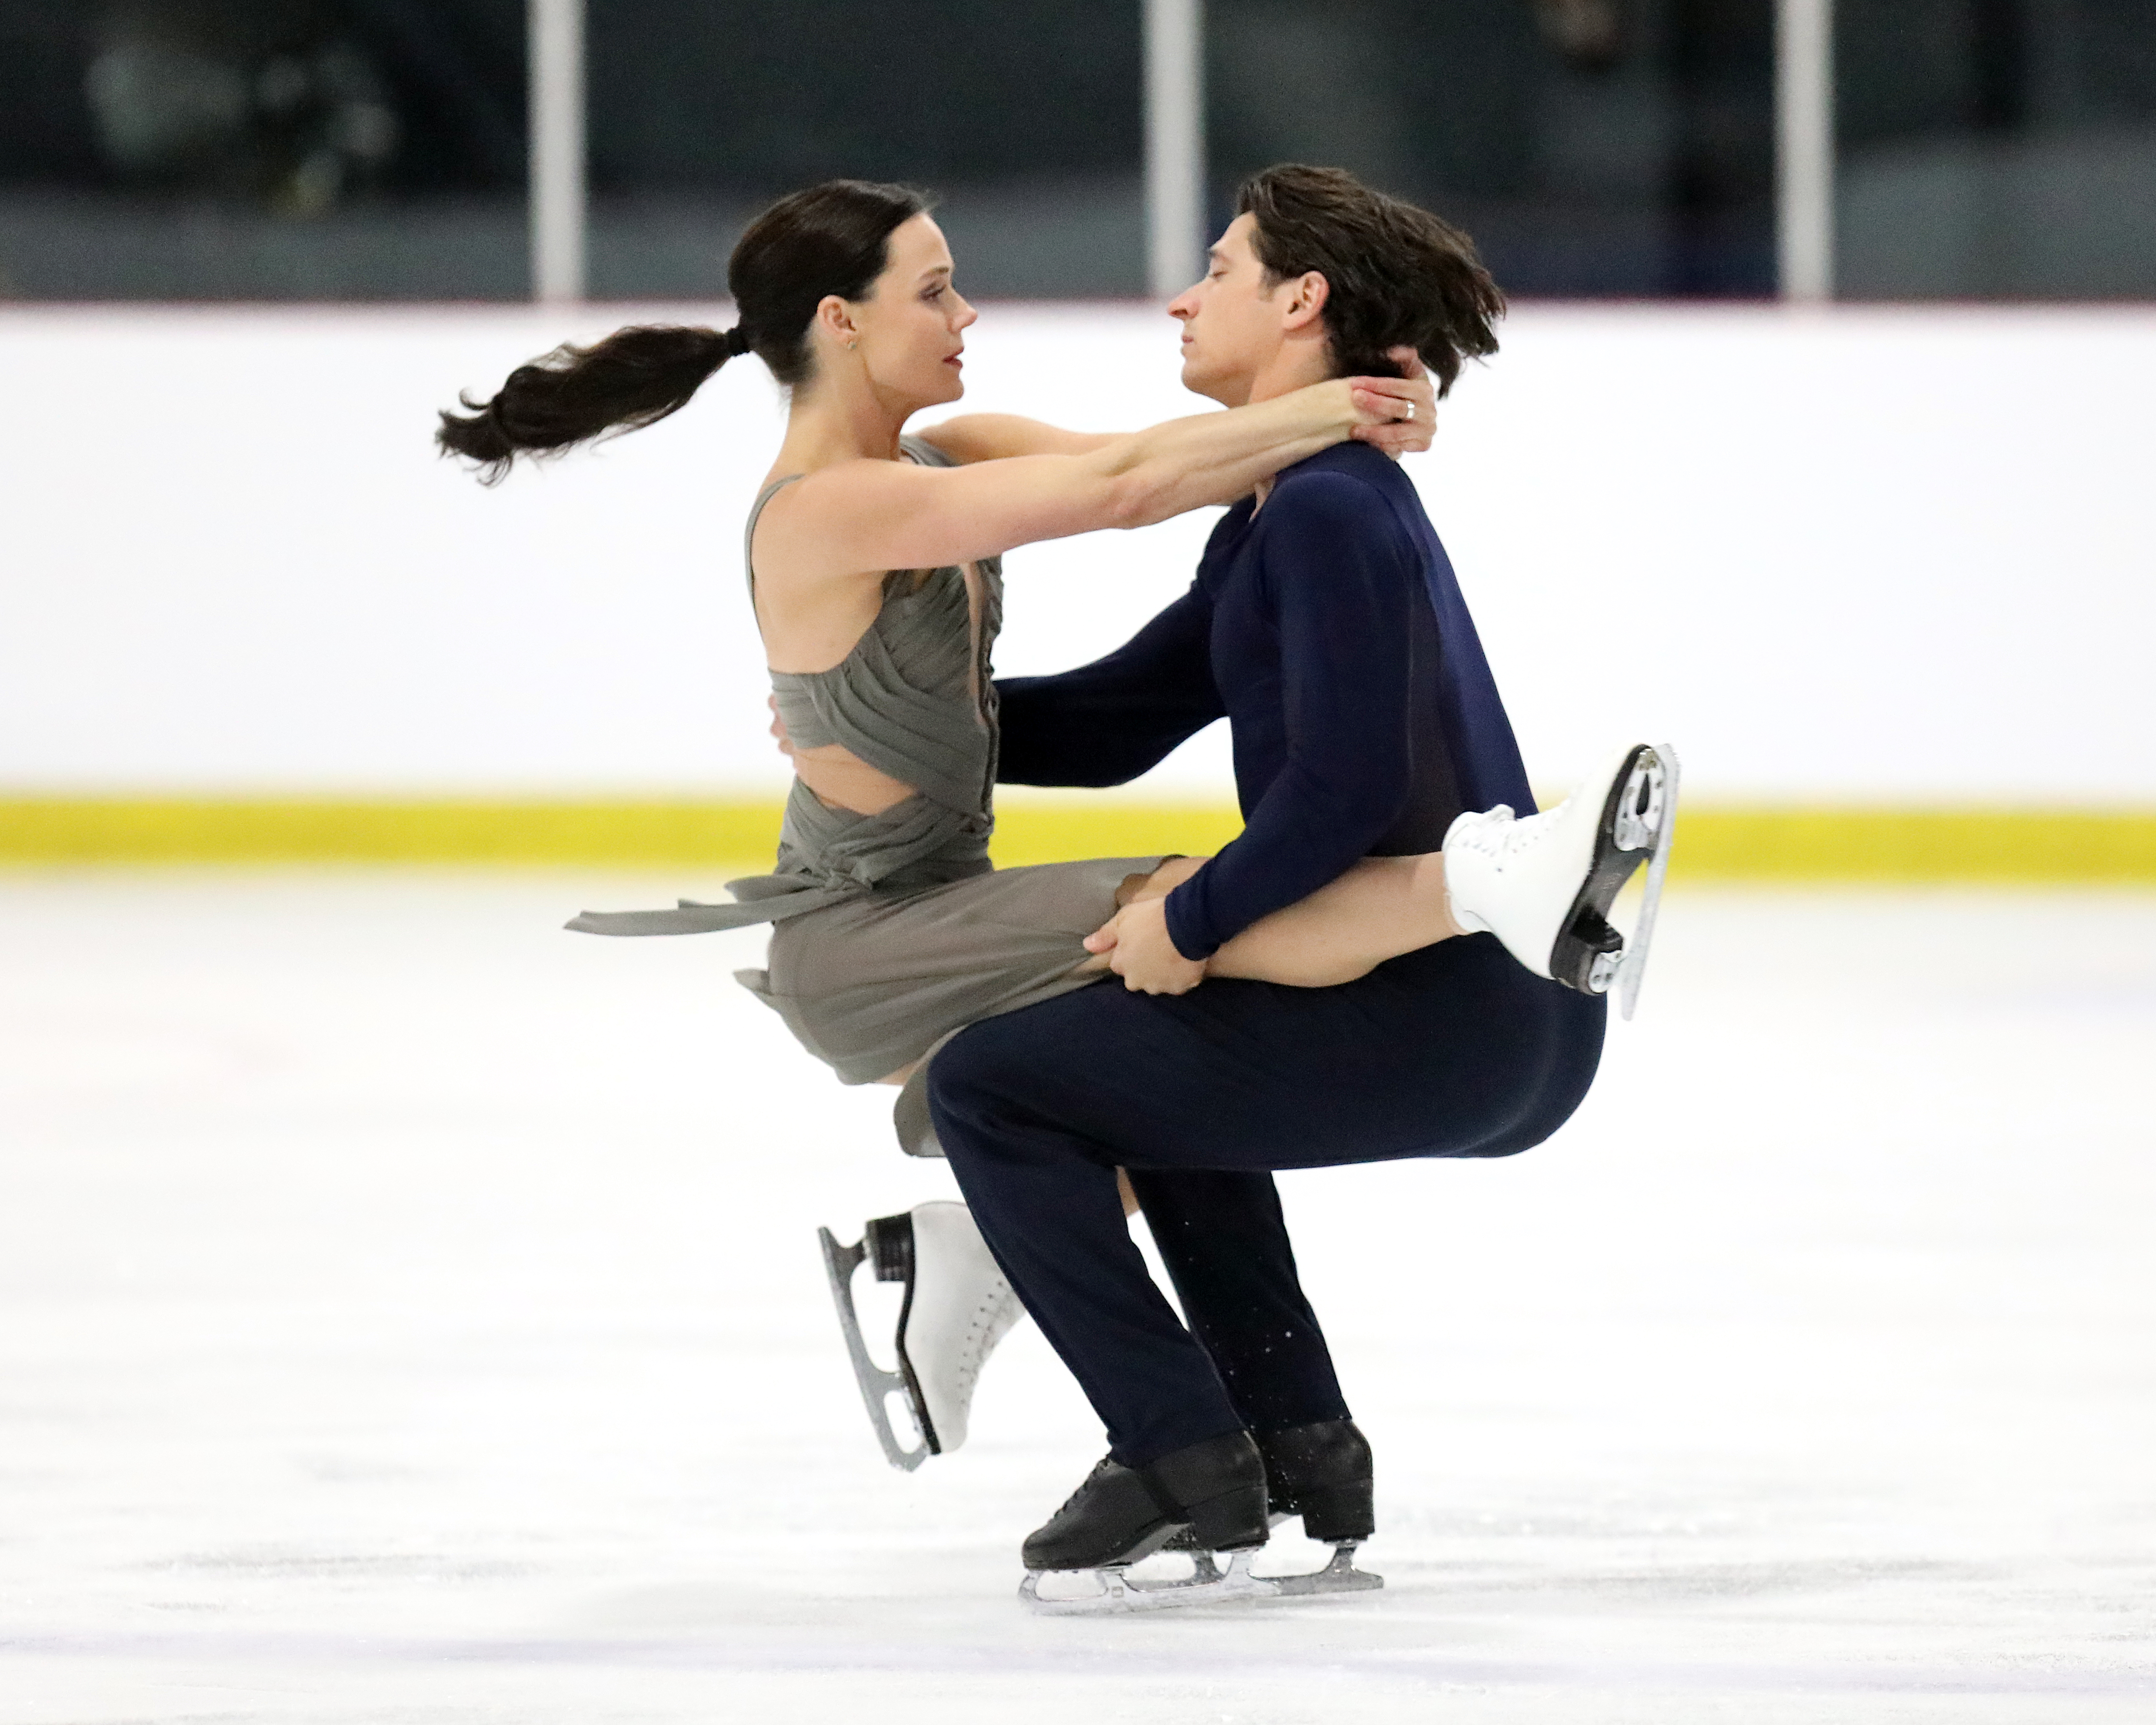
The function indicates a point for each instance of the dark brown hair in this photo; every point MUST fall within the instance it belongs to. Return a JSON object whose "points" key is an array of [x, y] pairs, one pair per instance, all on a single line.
{"points": [[832, 239], [1397, 276]]}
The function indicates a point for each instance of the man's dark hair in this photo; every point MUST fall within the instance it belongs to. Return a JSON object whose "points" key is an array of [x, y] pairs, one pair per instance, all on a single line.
{"points": [[1398, 276]]}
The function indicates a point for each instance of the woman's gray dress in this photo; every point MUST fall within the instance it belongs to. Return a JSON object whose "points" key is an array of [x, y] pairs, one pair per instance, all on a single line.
{"points": [[893, 931]]}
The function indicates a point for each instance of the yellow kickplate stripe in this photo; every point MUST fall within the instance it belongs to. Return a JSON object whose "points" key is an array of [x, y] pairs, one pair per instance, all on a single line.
{"points": [[1922, 844], [309, 830], [1726, 843]]}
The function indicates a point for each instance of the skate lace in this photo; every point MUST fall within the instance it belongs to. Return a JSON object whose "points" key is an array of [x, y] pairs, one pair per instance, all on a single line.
{"points": [[980, 1327], [1500, 836], [1103, 1466]]}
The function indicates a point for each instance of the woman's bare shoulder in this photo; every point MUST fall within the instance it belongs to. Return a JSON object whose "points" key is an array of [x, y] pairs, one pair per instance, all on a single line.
{"points": [[842, 492]]}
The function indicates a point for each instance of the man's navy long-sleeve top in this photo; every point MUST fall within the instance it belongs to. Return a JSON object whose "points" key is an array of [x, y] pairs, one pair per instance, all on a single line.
{"points": [[1328, 629]]}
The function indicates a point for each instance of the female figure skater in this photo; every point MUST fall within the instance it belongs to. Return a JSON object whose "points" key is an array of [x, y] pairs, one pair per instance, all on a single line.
{"points": [[874, 571], [873, 564]]}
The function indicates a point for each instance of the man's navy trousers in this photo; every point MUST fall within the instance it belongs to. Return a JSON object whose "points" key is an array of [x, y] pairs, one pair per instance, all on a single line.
{"points": [[1452, 1050]]}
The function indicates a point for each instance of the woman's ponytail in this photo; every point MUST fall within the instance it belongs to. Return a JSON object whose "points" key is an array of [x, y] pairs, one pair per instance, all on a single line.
{"points": [[831, 239], [635, 377]]}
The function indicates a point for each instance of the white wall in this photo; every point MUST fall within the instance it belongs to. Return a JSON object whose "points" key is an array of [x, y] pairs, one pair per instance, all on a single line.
{"points": [[1864, 554]]}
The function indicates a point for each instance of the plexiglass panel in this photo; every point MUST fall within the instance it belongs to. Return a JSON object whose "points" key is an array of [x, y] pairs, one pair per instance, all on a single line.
{"points": [[1591, 146], [262, 149], [373, 149], [1997, 148], [1024, 116]]}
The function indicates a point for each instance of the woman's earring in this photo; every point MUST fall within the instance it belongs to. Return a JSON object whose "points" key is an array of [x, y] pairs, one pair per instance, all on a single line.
{"points": [[853, 344]]}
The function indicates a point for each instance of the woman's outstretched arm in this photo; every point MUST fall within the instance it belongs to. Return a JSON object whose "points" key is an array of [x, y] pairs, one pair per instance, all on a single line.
{"points": [[998, 437], [859, 517]]}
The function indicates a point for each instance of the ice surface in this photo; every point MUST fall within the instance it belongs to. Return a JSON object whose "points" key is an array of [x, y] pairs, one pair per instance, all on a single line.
{"points": [[408, 1312]]}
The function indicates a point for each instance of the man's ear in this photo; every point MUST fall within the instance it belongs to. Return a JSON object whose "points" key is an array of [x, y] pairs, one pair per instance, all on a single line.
{"points": [[1306, 302]]}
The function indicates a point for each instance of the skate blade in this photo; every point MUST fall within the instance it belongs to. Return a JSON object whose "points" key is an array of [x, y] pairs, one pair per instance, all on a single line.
{"points": [[1653, 828], [1588, 953], [1119, 1594], [1339, 1576], [839, 1263], [1208, 1584]]}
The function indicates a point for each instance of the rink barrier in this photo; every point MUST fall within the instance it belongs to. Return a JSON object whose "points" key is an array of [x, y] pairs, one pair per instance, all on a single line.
{"points": [[1727, 843]]}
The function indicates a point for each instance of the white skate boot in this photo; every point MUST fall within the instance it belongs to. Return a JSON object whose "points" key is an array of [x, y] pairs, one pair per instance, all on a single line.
{"points": [[958, 1307], [1544, 885]]}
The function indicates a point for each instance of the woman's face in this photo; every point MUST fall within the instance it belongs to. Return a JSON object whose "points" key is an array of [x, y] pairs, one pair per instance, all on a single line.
{"points": [[910, 331]]}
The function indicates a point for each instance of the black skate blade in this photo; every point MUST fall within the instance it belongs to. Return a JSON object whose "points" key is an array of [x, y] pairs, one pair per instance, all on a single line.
{"points": [[876, 1384]]}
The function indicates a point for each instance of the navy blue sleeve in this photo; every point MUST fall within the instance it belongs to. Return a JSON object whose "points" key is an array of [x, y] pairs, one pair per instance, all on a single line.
{"points": [[1340, 571], [1107, 722]]}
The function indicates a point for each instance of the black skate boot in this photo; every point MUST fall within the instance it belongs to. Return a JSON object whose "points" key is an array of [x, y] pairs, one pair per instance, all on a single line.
{"points": [[1322, 1472], [1122, 1515], [1111, 1518]]}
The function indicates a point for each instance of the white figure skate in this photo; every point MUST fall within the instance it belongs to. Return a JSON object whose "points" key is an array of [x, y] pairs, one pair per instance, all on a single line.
{"points": [[1544, 885], [958, 1307]]}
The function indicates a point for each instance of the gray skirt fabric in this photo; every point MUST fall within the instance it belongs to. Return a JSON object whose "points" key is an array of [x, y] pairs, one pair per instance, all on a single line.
{"points": [[873, 983]]}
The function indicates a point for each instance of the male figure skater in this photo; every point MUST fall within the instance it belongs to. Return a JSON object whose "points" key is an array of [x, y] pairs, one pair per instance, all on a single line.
{"points": [[1326, 625]]}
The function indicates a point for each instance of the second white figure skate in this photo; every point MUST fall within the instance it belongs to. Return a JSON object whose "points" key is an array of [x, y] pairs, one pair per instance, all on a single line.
{"points": [[958, 1307], [1544, 885]]}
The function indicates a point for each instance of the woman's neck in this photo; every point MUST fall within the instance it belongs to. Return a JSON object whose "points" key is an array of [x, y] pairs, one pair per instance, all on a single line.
{"points": [[846, 422]]}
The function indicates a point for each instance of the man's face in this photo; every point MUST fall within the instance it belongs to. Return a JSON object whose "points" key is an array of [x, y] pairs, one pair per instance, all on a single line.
{"points": [[1232, 322]]}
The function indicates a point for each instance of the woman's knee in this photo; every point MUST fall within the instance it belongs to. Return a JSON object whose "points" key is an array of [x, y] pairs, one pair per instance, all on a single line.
{"points": [[1171, 873]]}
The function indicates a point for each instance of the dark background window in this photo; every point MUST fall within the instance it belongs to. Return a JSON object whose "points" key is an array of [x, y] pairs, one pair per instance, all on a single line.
{"points": [[370, 149], [1997, 147], [261, 148], [1592, 146], [1025, 115]]}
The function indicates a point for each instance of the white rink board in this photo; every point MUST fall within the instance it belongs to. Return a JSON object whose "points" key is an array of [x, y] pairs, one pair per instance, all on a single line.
{"points": [[1882, 555], [413, 1316]]}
